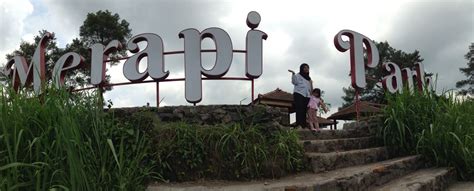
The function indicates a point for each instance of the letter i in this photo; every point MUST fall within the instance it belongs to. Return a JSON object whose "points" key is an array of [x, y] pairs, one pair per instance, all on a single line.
{"points": [[253, 56]]}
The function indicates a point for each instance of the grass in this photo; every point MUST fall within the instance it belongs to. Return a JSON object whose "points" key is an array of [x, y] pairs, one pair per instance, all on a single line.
{"points": [[441, 128], [64, 141]]}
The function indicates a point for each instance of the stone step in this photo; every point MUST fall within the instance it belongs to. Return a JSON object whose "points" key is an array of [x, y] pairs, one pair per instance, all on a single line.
{"points": [[353, 178], [331, 145], [306, 134], [421, 180], [321, 162], [461, 186]]}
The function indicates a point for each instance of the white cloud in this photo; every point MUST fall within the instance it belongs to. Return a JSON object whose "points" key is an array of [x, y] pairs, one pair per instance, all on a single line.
{"points": [[12, 17]]}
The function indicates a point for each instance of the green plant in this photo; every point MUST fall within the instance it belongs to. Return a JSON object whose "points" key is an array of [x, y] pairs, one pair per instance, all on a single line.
{"points": [[233, 151], [59, 140], [441, 128]]}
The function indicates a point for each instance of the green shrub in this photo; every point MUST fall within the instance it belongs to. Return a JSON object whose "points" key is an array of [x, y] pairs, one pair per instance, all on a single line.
{"points": [[63, 140], [441, 128], [233, 152]]}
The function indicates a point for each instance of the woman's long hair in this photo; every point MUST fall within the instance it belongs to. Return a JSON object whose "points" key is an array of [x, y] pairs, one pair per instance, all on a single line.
{"points": [[305, 75]]}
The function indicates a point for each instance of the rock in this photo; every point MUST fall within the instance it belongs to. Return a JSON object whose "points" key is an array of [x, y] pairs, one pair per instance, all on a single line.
{"points": [[226, 119], [235, 117], [166, 117], [178, 113], [204, 116], [219, 111]]}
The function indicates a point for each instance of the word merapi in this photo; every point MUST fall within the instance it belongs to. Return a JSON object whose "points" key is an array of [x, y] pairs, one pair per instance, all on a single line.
{"points": [[392, 82], [23, 74]]}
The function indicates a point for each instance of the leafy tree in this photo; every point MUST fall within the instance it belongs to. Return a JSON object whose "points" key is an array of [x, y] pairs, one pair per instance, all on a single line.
{"points": [[100, 27], [469, 72], [374, 91], [103, 27]]}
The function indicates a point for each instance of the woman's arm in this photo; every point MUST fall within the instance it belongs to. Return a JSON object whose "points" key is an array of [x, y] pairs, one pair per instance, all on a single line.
{"points": [[294, 80]]}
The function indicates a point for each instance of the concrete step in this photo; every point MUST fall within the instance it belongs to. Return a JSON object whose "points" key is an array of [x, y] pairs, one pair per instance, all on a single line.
{"points": [[462, 186], [331, 145], [421, 180], [306, 134], [352, 178], [321, 162]]}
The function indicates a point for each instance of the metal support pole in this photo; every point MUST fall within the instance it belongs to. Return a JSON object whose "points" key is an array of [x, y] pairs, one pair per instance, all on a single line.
{"points": [[357, 104], [252, 90], [157, 94]]}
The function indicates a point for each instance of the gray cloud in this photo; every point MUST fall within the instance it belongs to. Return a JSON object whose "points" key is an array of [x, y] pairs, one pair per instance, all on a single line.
{"points": [[441, 31]]}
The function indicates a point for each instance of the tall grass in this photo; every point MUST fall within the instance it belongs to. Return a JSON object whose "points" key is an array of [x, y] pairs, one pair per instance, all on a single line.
{"points": [[63, 141], [441, 128]]}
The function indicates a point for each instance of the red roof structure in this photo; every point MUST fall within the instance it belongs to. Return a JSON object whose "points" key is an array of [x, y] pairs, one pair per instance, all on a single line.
{"points": [[276, 98], [350, 113]]}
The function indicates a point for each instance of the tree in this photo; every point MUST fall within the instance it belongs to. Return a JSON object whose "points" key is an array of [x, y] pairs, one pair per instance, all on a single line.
{"points": [[100, 27], [103, 27], [374, 91], [468, 72]]}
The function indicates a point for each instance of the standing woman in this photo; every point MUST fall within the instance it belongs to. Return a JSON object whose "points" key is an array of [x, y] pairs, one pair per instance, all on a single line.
{"points": [[301, 93]]}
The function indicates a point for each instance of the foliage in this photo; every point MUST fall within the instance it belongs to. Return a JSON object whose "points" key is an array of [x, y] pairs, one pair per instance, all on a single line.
{"points": [[374, 92], [64, 141], [234, 152], [441, 128], [468, 72], [103, 27]]}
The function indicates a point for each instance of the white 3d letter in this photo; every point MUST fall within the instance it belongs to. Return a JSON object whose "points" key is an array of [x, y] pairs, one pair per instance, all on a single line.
{"points": [[192, 59], [69, 61], [355, 44], [99, 54], [393, 82], [253, 56], [154, 54], [23, 72]]}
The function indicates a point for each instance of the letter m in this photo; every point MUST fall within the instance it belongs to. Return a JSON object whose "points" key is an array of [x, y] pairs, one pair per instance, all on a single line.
{"points": [[24, 72]]}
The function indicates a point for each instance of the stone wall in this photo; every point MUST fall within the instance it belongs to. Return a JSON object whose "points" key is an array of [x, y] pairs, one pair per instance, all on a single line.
{"points": [[212, 114], [371, 125]]}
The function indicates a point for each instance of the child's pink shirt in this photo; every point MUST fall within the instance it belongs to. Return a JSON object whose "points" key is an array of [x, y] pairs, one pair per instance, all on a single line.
{"points": [[314, 102]]}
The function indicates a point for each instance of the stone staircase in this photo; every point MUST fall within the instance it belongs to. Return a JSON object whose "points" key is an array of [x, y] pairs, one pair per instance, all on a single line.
{"points": [[348, 159], [356, 148]]}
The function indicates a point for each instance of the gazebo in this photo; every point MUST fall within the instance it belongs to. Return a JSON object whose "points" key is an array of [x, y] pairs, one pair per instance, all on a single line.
{"points": [[276, 98], [350, 112], [283, 99]]}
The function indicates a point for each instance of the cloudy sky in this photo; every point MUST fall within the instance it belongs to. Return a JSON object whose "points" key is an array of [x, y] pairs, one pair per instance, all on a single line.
{"points": [[299, 31]]}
